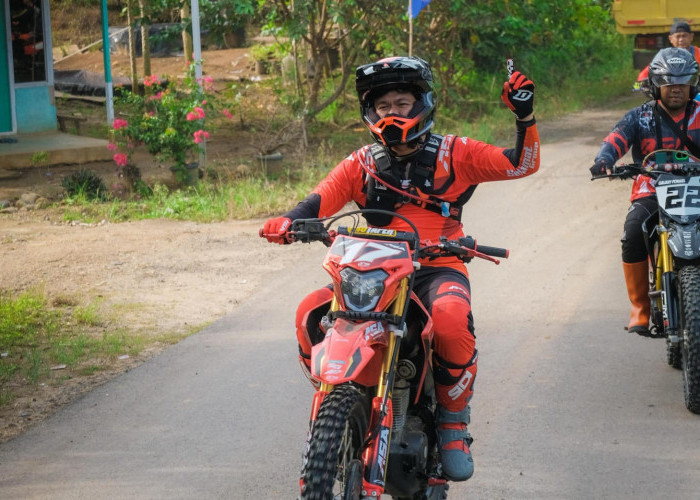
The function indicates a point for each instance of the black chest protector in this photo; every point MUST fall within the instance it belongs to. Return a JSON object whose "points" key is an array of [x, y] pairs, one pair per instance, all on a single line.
{"points": [[415, 178]]}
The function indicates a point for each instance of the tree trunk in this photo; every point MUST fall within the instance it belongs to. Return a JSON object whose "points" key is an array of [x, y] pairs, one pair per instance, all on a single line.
{"points": [[145, 40], [132, 46], [187, 44]]}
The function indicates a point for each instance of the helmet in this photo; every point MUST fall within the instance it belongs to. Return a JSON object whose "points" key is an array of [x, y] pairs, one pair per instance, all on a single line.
{"points": [[673, 66], [411, 74]]}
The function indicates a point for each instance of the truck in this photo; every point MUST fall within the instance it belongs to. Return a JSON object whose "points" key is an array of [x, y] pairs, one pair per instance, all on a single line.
{"points": [[650, 22]]}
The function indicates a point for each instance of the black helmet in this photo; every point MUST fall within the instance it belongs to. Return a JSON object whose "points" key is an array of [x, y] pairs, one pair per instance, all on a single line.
{"points": [[411, 74], [673, 66]]}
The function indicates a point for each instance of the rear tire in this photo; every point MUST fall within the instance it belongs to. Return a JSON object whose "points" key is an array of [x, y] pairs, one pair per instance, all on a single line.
{"points": [[673, 355], [689, 278], [332, 469]]}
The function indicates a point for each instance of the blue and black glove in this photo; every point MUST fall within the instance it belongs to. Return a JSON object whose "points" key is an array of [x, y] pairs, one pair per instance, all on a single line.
{"points": [[600, 168]]}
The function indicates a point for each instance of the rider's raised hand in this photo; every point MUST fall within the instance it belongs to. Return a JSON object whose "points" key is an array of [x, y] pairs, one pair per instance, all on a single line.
{"points": [[275, 230], [519, 95], [601, 168]]}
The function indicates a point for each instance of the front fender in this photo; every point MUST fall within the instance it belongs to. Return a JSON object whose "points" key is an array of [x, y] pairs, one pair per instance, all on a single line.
{"points": [[351, 352]]}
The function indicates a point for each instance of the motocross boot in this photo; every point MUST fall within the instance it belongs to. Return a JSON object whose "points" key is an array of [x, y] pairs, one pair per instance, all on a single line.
{"points": [[637, 281], [454, 388], [453, 441]]}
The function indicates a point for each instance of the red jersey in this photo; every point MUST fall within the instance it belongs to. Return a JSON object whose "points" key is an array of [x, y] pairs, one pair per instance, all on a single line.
{"points": [[471, 161]]}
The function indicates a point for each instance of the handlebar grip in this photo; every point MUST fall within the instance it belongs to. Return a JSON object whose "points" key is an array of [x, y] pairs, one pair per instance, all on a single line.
{"points": [[470, 242], [493, 251]]}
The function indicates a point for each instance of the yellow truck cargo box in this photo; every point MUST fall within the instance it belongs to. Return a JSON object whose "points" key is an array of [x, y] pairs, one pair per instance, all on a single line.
{"points": [[650, 22], [654, 16]]}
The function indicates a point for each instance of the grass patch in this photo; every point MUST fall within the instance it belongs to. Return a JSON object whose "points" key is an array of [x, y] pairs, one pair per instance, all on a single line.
{"points": [[223, 195], [42, 342]]}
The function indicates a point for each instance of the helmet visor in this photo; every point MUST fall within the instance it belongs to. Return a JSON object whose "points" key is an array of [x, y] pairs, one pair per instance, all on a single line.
{"points": [[663, 80]]}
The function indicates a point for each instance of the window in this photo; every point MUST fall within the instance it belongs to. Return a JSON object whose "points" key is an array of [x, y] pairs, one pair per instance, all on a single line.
{"points": [[28, 41]]}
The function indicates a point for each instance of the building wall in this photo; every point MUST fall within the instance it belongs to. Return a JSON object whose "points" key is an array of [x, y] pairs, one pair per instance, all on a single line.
{"points": [[36, 109]]}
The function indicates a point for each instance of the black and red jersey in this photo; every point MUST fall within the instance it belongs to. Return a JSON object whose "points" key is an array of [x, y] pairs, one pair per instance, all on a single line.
{"points": [[643, 131], [465, 161]]}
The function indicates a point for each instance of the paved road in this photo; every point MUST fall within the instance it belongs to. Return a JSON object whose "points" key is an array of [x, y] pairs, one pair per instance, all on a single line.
{"points": [[567, 404]]}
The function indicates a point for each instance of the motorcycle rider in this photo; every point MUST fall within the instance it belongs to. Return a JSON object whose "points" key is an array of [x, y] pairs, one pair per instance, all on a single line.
{"points": [[673, 78], [427, 178]]}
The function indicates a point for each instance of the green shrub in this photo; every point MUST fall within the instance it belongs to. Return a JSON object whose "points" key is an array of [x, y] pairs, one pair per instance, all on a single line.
{"points": [[85, 184]]}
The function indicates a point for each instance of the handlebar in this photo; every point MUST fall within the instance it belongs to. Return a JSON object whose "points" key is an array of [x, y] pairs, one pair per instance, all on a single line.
{"points": [[630, 170], [465, 248]]}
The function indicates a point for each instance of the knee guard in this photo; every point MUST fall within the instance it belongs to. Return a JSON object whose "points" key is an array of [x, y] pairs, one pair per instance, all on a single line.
{"points": [[454, 384]]}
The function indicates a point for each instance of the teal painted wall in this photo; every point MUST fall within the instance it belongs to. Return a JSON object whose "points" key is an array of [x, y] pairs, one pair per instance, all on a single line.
{"points": [[36, 111], [5, 104]]}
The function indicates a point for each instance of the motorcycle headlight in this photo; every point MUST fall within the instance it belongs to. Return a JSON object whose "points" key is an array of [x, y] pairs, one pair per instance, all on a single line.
{"points": [[361, 291]]}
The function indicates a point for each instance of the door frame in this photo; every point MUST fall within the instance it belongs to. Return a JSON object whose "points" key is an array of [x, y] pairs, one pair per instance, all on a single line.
{"points": [[10, 83]]}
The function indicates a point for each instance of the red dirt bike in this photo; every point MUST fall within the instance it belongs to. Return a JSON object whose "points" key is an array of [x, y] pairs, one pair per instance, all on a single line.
{"points": [[372, 429]]}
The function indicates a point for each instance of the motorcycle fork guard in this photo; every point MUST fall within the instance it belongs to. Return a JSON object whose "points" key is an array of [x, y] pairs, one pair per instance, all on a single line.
{"points": [[666, 286], [376, 454]]}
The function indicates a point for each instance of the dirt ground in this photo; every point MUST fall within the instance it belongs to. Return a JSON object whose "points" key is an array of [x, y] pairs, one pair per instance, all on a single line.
{"points": [[224, 65]]}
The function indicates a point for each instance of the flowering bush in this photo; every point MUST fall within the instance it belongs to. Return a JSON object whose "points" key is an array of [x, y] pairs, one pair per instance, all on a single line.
{"points": [[168, 120]]}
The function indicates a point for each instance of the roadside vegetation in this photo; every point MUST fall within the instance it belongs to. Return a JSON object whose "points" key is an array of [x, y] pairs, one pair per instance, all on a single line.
{"points": [[568, 48], [46, 342]]}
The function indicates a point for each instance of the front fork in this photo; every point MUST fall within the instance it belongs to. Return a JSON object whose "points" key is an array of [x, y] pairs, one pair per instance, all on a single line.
{"points": [[377, 444], [665, 288]]}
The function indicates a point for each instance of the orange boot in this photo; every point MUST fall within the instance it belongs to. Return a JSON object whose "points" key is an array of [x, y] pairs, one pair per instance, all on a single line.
{"points": [[637, 280]]}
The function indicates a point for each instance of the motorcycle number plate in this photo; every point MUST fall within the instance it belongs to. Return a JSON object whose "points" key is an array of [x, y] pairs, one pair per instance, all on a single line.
{"points": [[679, 196]]}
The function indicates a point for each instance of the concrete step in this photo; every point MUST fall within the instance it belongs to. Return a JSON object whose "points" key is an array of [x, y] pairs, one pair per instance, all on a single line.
{"points": [[55, 148]]}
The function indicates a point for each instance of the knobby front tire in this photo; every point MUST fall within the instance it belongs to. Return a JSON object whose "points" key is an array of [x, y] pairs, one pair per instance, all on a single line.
{"points": [[335, 446], [689, 277]]}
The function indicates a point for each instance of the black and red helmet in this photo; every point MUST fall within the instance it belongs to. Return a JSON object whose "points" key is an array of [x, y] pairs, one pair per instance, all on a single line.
{"points": [[411, 74]]}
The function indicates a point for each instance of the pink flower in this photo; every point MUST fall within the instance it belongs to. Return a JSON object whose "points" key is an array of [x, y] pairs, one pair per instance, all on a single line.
{"points": [[112, 147], [200, 136], [227, 113], [150, 80], [119, 123], [121, 159], [207, 82], [197, 114]]}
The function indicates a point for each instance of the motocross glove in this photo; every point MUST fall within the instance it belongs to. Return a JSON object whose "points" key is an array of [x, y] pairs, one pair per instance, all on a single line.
{"points": [[519, 94], [600, 169], [275, 230]]}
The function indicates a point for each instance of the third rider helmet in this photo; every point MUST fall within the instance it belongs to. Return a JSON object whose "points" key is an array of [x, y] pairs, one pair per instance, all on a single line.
{"points": [[411, 74], [673, 66]]}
